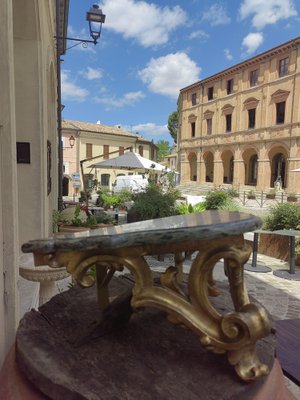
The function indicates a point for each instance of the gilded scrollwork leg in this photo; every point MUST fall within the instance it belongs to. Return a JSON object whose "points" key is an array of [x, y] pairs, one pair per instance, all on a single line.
{"points": [[235, 333]]}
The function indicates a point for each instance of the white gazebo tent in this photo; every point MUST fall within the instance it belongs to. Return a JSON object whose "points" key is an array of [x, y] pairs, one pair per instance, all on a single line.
{"points": [[132, 161]]}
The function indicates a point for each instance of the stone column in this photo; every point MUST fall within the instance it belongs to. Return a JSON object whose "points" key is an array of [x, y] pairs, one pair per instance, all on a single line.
{"points": [[263, 174], [201, 174], [239, 173], [218, 172]]}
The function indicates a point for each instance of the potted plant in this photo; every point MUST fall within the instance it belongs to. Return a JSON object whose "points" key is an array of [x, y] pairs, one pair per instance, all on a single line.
{"points": [[292, 197], [271, 194], [83, 221], [280, 216], [251, 195]]}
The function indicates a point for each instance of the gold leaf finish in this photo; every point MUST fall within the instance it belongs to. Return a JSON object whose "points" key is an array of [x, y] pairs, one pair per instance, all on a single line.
{"points": [[234, 333]]}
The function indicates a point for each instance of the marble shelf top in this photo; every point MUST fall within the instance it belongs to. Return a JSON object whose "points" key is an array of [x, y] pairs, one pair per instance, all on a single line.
{"points": [[197, 226]]}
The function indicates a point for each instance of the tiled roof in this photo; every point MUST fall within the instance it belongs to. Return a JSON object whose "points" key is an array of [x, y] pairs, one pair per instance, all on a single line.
{"points": [[96, 128]]}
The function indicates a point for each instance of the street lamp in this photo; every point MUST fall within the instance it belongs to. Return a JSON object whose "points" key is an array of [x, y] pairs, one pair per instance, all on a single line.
{"points": [[96, 18], [71, 141]]}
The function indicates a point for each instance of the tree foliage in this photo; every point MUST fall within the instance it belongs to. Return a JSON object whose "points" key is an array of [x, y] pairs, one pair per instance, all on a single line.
{"points": [[173, 125], [163, 149]]}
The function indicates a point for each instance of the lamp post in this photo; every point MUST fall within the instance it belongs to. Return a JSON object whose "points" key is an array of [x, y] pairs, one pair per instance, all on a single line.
{"points": [[96, 18]]}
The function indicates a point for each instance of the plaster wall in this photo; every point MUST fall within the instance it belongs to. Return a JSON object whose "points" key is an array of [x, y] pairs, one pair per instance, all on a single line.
{"points": [[9, 244], [34, 55], [98, 141]]}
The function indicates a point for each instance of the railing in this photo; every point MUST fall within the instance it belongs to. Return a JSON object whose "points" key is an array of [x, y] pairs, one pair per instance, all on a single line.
{"points": [[251, 197]]}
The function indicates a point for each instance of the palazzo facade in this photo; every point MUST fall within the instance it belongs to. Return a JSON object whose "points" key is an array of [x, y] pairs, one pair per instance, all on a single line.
{"points": [[241, 126]]}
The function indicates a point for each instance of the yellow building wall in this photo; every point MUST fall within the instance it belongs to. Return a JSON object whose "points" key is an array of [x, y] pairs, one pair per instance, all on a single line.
{"points": [[232, 151]]}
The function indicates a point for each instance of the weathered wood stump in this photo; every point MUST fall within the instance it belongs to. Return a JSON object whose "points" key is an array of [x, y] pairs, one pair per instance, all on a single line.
{"points": [[62, 350]]}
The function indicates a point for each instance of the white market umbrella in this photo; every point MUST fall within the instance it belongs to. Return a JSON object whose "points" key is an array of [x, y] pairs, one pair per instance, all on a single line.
{"points": [[132, 160]]}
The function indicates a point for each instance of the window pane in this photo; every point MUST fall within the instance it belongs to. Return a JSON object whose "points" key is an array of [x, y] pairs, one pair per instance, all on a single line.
{"points": [[283, 66], [193, 129], [228, 123], [105, 179], [280, 112], [210, 93], [251, 119], [254, 77], [229, 86], [141, 151], [194, 99], [209, 126]]}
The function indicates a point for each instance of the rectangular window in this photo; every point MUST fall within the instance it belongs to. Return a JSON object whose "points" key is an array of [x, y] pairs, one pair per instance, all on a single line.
{"points": [[251, 118], [280, 112], [105, 179], [194, 99], [105, 151], [193, 129], [121, 150], [209, 126], [284, 66], [89, 150], [230, 86], [141, 150], [228, 122], [254, 77], [210, 93]]}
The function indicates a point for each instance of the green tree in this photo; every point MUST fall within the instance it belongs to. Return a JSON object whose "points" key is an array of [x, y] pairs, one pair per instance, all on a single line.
{"points": [[163, 149], [173, 125]]}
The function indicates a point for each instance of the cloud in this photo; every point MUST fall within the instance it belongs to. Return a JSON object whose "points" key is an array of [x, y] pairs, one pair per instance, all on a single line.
{"points": [[199, 35], [167, 75], [228, 54], [147, 23], [252, 41], [129, 99], [216, 15], [267, 12], [70, 90], [151, 129], [92, 73]]}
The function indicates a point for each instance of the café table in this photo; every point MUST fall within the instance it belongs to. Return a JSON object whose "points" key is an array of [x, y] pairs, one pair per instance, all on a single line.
{"points": [[214, 235]]}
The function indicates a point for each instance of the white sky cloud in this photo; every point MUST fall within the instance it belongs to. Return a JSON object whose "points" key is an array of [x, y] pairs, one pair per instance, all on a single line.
{"points": [[252, 41], [151, 128], [266, 12], [70, 90], [167, 75], [228, 54], [200, 34], [92, 73], [216, 15], [128, 99], [145, 22]]}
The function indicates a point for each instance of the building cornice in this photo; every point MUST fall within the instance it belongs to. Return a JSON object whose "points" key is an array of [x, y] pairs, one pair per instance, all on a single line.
{"points": [[247, 63], [62, 24]]}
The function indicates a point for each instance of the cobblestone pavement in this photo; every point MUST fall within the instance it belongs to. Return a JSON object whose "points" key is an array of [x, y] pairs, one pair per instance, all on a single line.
{"points": [[281, 297]]}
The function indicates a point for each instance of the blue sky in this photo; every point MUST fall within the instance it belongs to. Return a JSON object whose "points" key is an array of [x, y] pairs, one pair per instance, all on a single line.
{"points": [[148, 51]]}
